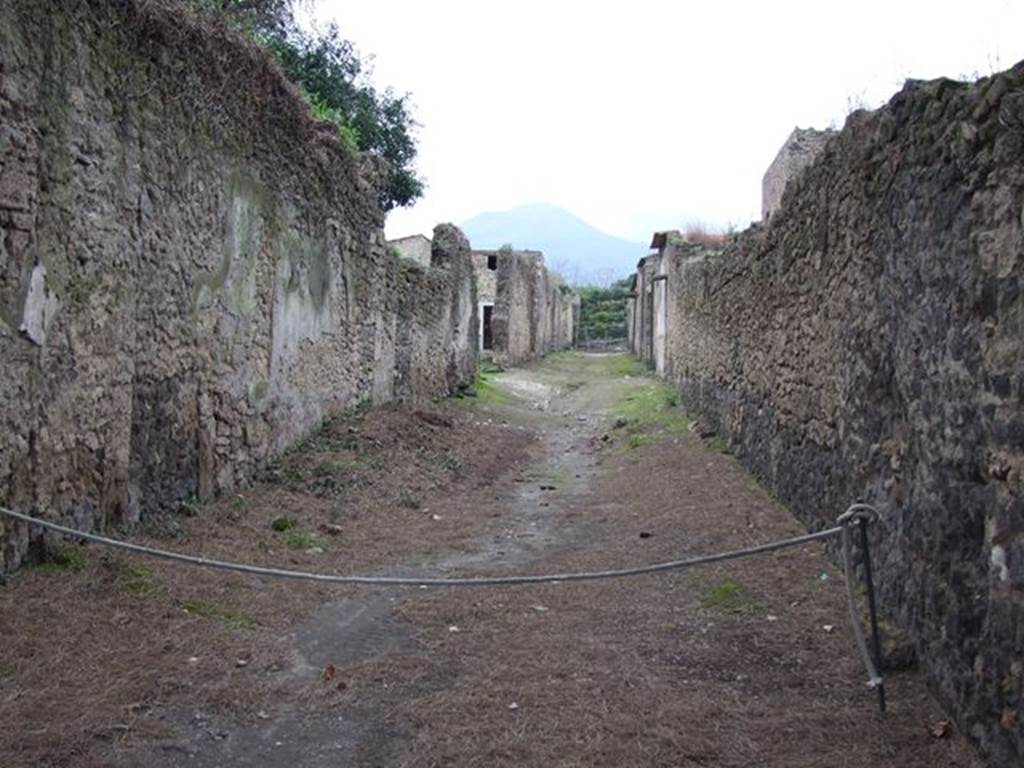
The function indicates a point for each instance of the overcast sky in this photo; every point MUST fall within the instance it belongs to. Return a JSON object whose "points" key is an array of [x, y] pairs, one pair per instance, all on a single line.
{"points": [[648, 113]]}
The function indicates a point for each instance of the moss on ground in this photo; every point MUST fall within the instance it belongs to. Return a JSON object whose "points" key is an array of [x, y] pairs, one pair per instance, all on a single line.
{"points": [[601, 366], [484, 391], [304, 541], [232, 616], [137, 580], [62, 558], [653, 408], [729, 596]]}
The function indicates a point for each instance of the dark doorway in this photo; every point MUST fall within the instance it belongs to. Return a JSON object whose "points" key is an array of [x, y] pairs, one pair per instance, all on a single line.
{"points": [[492, 261], [488, 343]]}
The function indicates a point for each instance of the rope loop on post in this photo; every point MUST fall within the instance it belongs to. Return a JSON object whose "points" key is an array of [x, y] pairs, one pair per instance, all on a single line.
{"points": [[853, 515]]}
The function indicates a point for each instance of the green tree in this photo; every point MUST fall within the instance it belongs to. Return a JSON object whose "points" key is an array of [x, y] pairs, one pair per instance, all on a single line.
{"points": [[603, 310]]}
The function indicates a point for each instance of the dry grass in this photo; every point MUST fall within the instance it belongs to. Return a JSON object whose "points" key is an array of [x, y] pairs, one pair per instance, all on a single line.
{"points": [[665, 671], [701, 234]]}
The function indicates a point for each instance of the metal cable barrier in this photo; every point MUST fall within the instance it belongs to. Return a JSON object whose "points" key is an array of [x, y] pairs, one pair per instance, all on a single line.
{"points": [[853, 515]]}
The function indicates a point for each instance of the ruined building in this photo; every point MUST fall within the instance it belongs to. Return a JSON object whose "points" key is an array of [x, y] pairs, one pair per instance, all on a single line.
{"points": [[868, 344], [524, 309]]}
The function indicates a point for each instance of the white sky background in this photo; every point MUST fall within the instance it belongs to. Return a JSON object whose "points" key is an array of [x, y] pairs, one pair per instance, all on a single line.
{"points": [[645, 114]]}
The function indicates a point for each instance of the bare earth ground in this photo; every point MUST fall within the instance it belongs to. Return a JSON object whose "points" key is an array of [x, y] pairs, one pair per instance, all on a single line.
{"points": [[114, 660]]}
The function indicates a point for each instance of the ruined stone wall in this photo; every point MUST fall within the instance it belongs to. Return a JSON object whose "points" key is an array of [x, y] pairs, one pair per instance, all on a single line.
{"points": [[415, 248], [486, 278], [192, 270], [799, 150], [534, 312], [869, 344]]}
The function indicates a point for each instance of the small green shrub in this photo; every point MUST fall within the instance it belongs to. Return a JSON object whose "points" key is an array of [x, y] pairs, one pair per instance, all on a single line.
{"points": [[60, 558], [282, 524], [716, 443], [449, 461], [407, 500], [635, 441], [348, 133]]}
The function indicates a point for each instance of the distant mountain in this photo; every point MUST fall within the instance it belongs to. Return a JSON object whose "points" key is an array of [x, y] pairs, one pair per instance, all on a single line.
{"points": [[582, 253]]}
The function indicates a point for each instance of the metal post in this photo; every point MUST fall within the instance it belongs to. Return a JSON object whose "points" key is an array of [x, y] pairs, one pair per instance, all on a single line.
{"points": [[872, 609]]}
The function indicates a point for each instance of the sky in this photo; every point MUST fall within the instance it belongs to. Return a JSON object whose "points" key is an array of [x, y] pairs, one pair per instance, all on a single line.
{"points": [[645, 114]]}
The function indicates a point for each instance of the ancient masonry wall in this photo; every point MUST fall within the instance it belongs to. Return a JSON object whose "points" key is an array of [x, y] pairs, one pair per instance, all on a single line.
{"points": [[415, 248], [192, 271], [798, 151], [869, 344], [534, 311]]}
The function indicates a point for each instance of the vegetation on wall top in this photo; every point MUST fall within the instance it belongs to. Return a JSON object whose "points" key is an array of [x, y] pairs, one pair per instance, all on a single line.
{"points": [[332, 79]]}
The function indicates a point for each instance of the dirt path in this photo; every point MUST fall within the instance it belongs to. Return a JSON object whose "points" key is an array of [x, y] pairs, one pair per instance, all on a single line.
{"points": [[577, 463]]}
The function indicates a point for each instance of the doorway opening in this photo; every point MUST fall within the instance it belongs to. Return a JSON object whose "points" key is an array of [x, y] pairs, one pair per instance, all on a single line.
{"points": [[487, 341]]}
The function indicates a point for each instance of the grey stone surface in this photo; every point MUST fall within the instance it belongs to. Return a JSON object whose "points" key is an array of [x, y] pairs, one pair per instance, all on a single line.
{"points": [[414, 248], [192, 270], [868, 344], [534, 311], [799, 150]]}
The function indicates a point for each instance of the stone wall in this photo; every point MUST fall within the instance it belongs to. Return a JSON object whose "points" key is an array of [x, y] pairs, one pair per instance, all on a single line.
{"points": [[534, 311], [798, 151], [485, 267], [869, 344], [415, 248], [192, 270]]}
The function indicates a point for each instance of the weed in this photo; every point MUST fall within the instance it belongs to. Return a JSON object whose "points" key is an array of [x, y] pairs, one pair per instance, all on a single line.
{"points": [[140, 581], [330, 469], [58, 558], [189, 507], [348, 133], [449, 461], [407, 500], [716, 443], [234, 617], [303, 541], [484, 391], [282, 524], [649, 411], [489, 367], [624, 365], [729, 596], [635, 441]]}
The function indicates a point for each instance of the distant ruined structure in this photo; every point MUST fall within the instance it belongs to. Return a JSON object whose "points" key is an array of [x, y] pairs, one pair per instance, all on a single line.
{"points": [[867, 343], [798, 151], [485, 267], [524, 309], [535, 312]]}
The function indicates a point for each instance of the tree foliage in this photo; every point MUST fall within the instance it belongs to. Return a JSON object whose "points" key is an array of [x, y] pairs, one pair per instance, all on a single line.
{"points": [[333, 80], [603, 310]]}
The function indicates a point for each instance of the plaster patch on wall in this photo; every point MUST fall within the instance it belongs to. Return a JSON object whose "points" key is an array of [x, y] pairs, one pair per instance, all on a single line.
{"points": [[41, 305], [998, 560]]}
